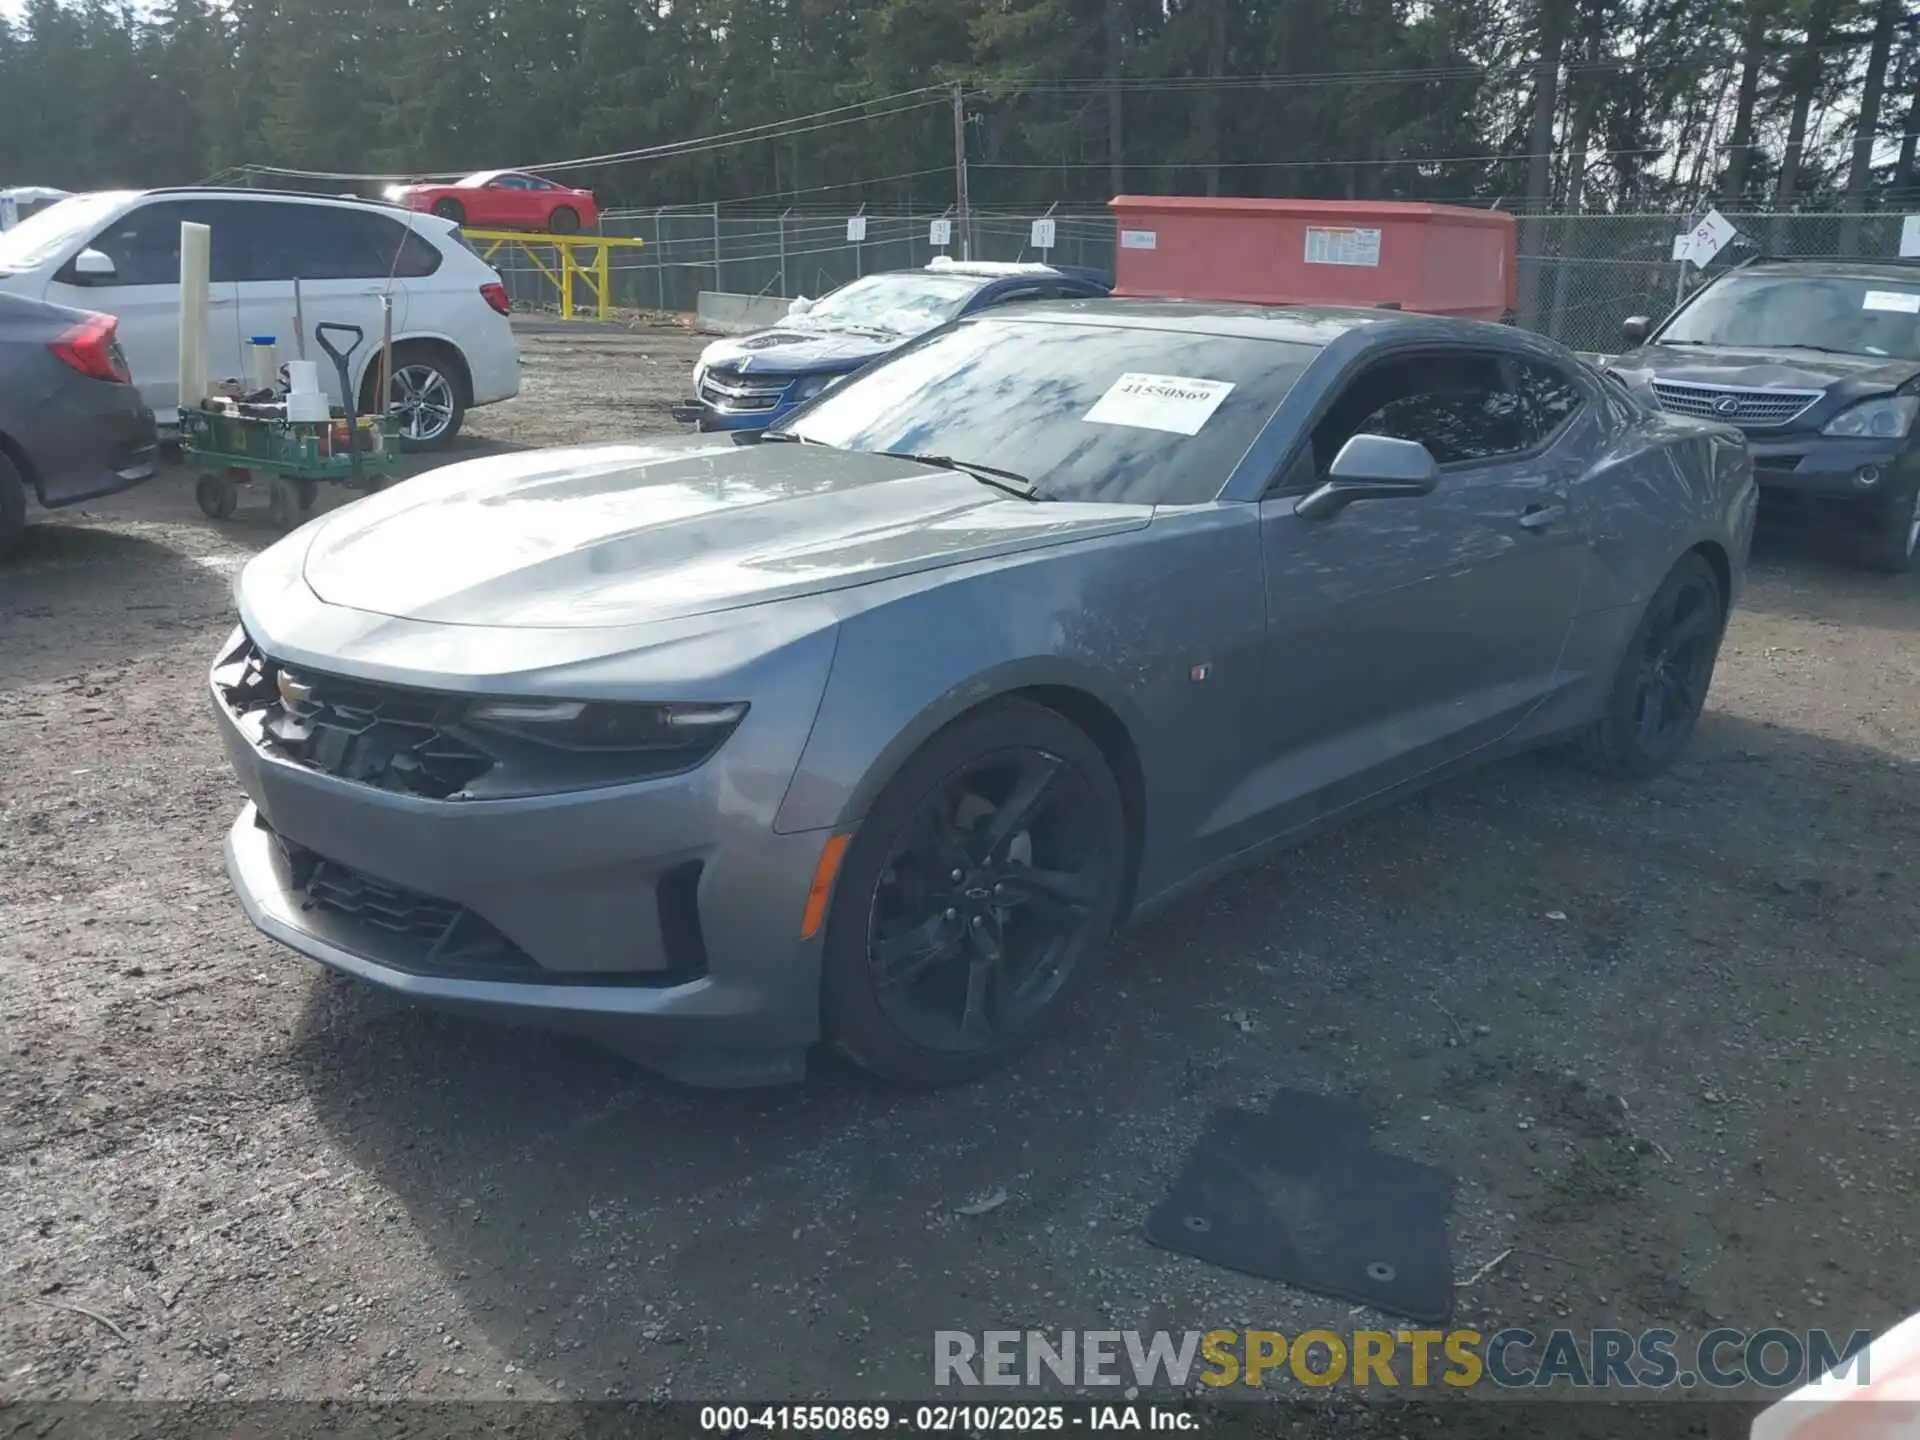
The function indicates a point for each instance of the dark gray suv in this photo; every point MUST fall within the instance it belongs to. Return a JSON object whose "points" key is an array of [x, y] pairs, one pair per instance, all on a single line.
{"points": [[1818, 362]]}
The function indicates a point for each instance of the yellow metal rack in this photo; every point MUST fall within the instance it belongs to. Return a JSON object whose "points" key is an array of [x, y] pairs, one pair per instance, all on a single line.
{"points": [[567, 250]]}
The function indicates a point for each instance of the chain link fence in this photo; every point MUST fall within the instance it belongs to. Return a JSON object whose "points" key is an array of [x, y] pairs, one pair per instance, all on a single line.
{"points": [[1580, 275], [793, 252]]}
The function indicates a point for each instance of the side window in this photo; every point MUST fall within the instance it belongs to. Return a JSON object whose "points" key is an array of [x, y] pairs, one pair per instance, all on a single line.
{"points": [[144, 244], [1461, 407], [327, 242], [415, 256], [1549, 398]]}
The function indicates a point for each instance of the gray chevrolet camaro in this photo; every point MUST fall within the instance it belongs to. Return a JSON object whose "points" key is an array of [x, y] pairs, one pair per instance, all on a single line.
{"points": [[870, 731]]}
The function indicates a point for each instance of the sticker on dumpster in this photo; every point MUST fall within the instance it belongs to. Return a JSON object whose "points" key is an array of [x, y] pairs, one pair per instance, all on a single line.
{"points": [[1895, 301], [1139, 239], [1329, 246], [1178, 404]]}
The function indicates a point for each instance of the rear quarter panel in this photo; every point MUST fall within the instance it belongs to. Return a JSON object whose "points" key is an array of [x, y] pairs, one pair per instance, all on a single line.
{"points": [[1162, 627], [1661, 486], [447, 306]]}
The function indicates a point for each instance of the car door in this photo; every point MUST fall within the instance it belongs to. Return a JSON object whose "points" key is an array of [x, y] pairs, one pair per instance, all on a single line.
{"points": [[344, 258], [516, 201], [143, 293], [1406, 634]]}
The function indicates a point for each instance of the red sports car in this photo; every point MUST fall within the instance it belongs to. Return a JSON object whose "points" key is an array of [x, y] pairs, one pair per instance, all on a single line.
{"points": [[504, 200]]}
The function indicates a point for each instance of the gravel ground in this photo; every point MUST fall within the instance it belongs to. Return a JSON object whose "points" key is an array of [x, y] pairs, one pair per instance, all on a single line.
{"points": [[1665, 1035]]}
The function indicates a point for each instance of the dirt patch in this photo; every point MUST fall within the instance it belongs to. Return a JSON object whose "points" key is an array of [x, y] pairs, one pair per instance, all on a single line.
{"points": [[1664, 1035]]}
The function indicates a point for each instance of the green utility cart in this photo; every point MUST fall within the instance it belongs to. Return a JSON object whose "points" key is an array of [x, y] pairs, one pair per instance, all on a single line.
{"points": [[231, 446], [294, 457]]}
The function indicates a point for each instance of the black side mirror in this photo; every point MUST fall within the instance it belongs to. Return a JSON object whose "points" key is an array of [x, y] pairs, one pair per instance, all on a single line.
{"points": [[1635, 329], [1372, 467]]}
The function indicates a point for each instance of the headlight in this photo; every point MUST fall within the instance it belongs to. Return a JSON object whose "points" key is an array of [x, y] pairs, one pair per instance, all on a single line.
{"points": [[686, 731], [814, 384], [699, 374], [1888, 418]]}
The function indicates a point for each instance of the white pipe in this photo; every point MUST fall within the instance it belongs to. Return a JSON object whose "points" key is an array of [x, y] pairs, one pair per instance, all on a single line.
{"points": [[196, 252]]}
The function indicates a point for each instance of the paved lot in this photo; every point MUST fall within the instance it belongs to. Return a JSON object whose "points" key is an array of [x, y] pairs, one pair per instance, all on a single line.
{"points": [[1665, 1035]]}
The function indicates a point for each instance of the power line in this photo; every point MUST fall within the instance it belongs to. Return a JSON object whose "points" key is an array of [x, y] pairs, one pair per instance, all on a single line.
{"points": [[805, 190], [913, 100], [1280, 80]]}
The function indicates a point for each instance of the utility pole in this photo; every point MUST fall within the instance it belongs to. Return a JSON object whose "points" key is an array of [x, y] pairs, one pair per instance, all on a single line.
{"points": [[960, 171]]}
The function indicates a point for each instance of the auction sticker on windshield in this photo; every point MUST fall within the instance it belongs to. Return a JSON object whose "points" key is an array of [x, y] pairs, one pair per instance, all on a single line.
{"points": [[1175, 403], [1898, 301]]}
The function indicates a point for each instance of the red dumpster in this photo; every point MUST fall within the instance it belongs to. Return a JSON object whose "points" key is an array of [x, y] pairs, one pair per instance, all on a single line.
{"points": [[1436, 259]]}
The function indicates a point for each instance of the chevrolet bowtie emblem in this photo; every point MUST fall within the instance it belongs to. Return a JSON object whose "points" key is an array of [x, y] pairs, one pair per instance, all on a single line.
{"points": [[293, 690]]}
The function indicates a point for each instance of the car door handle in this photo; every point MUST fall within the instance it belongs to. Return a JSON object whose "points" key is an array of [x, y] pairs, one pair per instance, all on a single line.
{"points": [[1539, 517]]}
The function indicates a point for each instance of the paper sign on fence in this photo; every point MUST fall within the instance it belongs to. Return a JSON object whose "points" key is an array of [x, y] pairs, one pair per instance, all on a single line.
{"points": [[940, 234], [1043, 234], [856, 229], [1709, 237], [1178, 404], [1910, 235]]}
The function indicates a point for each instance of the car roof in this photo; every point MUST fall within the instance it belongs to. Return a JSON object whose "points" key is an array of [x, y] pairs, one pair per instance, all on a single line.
{"points": [[1837, 267], [245, 192], [1298, 324], [994, 269]]}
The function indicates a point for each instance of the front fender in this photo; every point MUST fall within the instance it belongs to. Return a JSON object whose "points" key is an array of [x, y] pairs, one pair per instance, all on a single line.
{"points": [[1160, 626]]}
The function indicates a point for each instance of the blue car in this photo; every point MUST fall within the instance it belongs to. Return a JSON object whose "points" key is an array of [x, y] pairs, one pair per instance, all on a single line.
{"points": [[749, 382]]}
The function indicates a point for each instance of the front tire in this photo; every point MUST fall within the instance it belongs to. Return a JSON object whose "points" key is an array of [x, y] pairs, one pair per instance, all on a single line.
{"points": [[13, 506], [1892, 539], [1662, 683], [451, 210], [975, 898]]}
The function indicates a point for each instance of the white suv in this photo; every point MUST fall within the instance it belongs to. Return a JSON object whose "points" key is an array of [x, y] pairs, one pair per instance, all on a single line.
{"points": [[119, 252]]}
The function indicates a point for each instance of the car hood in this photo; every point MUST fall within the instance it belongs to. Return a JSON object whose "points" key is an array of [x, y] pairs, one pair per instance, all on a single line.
{"points": [[799, 348], [627, 534], [1766, 369]]}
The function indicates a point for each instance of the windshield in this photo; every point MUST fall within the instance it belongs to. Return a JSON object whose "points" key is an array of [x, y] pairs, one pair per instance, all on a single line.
{"points": [[1853, 316], [901, 304], [46, 235], [1086, 411]]}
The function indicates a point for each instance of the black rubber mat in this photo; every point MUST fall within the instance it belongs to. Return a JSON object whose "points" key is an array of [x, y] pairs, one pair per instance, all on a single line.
{"points": [[1297, 1195]]}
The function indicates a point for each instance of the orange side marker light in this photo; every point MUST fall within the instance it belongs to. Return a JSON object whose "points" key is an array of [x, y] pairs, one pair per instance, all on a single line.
{"points": [[821, 891]]}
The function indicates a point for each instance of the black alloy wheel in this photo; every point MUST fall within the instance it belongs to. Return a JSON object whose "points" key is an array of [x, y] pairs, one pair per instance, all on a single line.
{"points": [[980, 889], [1663, 680]]}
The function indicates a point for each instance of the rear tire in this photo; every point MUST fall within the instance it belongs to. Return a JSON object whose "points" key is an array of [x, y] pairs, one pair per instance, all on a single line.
{"points": [[565, 220], [424, 380], [1892, 538], [1662, 683], [451, 210], [928, 980], [13, 506]]}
